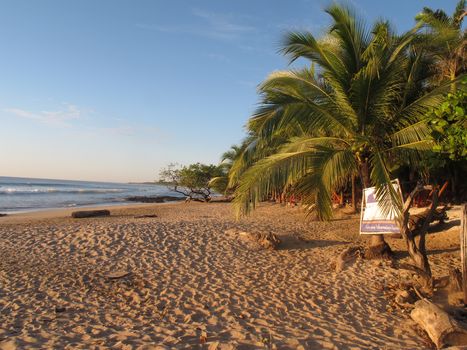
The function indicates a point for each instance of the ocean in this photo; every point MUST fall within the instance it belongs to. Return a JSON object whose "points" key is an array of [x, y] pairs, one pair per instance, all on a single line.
{"points": [[27, 194]]}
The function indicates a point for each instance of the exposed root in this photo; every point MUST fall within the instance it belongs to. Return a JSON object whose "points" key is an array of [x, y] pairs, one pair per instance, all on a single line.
{"points": [[380, 251], [347, 256]]}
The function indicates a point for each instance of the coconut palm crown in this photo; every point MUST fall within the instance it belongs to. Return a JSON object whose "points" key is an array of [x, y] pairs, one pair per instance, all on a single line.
{"points": [[446, 40], [357, 110]]}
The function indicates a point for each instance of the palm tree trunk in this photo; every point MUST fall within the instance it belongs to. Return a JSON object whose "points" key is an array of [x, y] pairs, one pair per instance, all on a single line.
{"points": [[378, 247], [354, 195], [453, 77]]}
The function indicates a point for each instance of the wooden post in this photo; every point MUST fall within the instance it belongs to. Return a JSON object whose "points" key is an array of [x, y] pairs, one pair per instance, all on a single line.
{"points": [[464, 250]]}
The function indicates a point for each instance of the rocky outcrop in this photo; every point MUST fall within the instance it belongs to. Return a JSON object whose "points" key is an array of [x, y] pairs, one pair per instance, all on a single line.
{"points": [[154, 199]]}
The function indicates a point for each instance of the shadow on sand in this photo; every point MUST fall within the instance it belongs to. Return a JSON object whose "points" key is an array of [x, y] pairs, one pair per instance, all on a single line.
{"points": [[294, 242], [401, 254], [444, 226]]}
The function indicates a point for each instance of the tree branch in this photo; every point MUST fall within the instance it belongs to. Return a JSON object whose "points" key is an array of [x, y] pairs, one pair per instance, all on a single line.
{"points": [[426, 224]]}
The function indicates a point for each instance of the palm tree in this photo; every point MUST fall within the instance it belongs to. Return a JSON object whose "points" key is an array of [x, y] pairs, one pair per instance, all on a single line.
{"points": [[446, 40], [358, 110], [221, 183]]}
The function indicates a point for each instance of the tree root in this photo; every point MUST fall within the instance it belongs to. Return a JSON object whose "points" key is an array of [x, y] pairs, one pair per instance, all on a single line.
{"points": [[380, 251]]}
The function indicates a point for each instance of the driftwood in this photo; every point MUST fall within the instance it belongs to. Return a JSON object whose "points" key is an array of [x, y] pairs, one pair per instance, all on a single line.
{"points": [[416, 221], [89, 213], [115, 275], [1, 215], [145, 216], [455, 281], [440, 327], [346, 256], [454, 287], [265, 240], [405, 298]]}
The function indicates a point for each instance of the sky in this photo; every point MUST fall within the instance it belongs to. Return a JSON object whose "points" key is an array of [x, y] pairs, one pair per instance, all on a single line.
{"points": [[115, 90]]}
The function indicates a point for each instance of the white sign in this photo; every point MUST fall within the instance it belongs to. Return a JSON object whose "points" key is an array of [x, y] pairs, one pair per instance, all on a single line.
{"points": [[373, 220]]}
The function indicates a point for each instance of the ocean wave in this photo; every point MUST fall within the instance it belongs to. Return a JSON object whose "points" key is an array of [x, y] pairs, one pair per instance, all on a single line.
{"points": [[32, 191], [36, 184]]}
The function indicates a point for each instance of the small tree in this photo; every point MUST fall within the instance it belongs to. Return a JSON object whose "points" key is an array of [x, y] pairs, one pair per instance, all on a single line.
{"points": [[192, 181], [449, 125], [448, 159]]}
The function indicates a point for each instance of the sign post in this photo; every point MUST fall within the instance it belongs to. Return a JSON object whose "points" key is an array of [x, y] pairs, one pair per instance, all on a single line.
{"points": [[463, 238], [373, 220]]}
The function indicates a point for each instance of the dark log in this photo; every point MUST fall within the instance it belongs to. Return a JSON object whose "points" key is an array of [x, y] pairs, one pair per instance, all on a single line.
{"points": [[2, 215], [145, 216], [89, 213], [440, 327]]}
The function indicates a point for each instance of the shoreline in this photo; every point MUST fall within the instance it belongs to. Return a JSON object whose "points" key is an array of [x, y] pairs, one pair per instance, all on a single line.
{"points": [[25, 195], [59, 213], [126, 201]]}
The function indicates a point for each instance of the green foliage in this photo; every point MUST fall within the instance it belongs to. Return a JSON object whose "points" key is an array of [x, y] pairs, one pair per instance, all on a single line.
{"points": [[226, 183], [193, 180], [449, 125], [219, 184]]}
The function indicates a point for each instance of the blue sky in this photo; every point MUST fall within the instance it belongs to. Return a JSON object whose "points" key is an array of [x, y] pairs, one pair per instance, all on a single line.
{"points": [[114, 90]]}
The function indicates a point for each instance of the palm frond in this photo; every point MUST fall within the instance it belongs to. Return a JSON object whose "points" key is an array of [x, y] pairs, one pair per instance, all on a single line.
{"points": [[317, 159], [388, 199], [351, 33]]}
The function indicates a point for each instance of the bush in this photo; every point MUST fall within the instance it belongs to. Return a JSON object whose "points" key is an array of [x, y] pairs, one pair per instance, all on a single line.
{"points": [[192, 181]]}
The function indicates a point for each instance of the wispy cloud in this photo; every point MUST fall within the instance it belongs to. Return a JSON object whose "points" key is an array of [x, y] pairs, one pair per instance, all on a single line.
{"points": [[247, 83], [62, 117], [213, 25], [119, 127], [218, 57], [223, 24]]}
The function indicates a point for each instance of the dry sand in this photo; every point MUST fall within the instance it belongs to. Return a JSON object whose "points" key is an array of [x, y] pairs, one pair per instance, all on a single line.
{"points": [[192, 286]]}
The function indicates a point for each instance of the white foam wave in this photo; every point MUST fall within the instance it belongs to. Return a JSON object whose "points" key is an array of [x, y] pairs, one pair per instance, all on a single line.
{"points": [[42, 190]]}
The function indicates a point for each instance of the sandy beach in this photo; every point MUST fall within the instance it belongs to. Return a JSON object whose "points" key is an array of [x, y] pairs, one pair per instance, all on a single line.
{"points": [[187, 284]]}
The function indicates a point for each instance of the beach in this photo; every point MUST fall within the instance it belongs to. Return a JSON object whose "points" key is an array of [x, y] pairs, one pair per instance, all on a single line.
{"points": [[180, 280]]}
